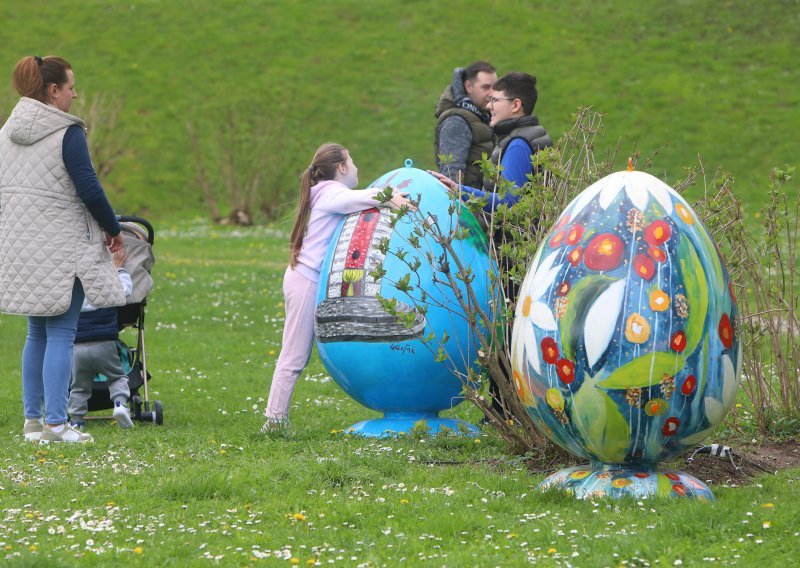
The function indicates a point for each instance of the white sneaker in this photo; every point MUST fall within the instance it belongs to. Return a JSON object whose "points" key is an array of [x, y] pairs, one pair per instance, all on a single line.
{"points": [[32, 429], [122, 415], [66, 434]]}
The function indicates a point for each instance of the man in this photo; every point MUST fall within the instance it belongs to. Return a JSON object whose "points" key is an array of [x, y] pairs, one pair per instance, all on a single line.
{"points": [[462, 127], [519, 136]]}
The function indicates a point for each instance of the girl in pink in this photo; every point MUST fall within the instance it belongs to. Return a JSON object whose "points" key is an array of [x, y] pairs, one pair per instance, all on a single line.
{"points": [[326, 195]]}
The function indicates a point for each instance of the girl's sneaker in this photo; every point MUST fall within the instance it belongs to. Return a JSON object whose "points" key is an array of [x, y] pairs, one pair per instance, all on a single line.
{"points": [[122, 415], [66, 433], [32, 429], [275, 425]]}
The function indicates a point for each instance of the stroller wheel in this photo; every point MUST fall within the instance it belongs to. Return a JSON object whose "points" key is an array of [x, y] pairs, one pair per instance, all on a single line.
{"points": [[158, 412], [136, 407]]}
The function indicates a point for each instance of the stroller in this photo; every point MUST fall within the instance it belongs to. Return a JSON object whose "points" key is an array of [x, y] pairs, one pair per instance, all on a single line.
{"points": [[138, 235]]}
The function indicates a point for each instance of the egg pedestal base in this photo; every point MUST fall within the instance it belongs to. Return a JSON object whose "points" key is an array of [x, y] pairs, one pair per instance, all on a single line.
{"points": [[397, 423], [599, 480]]}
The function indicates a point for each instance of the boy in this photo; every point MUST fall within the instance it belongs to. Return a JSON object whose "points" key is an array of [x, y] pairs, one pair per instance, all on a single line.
{"points": [[96, 352]]}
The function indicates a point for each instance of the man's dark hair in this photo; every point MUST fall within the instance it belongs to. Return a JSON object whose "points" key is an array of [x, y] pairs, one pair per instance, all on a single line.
{"points": [[519, 86], [472, 71]]}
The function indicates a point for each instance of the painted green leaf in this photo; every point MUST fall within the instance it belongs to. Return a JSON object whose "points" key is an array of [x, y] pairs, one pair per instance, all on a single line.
{"points": [[644, 371], [695, 280], [664, 488], [603, 427], [580, 299]]}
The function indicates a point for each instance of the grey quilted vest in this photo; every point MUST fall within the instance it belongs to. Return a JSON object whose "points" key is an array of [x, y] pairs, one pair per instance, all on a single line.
{"points": [[47, 235]]}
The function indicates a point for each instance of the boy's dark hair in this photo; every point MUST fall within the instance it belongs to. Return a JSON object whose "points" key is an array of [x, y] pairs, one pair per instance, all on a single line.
{"points": [[519, 86], [472, 71]]}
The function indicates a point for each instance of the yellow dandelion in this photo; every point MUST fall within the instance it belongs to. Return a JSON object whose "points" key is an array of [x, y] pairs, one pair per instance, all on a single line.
{"points": [[311, 561], [138, 550], [477, 440], [32, 548], [404, 501], [768, 506], [294, 560], [298, 516], [551, 551]]}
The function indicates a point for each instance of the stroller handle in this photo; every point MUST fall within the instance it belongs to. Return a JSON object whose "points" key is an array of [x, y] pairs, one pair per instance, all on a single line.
{"points": [[139, 221]]}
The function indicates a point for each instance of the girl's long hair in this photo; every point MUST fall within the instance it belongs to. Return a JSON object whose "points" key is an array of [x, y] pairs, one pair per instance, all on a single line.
{"points": [[322, 168]]}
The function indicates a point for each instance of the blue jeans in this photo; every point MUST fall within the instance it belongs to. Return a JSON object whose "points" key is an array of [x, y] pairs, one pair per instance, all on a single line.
{"points": [[47, 361]]}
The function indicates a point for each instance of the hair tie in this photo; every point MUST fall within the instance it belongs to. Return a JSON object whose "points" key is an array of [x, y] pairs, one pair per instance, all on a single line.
{"points": [[38, 59]]}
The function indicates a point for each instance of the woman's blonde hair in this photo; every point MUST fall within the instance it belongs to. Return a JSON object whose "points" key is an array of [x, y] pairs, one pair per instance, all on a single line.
{"points": [[323, 167]]}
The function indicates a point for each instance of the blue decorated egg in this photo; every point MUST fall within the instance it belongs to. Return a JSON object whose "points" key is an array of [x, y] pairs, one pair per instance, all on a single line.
{"points": [[625, 344], [382, 363]]}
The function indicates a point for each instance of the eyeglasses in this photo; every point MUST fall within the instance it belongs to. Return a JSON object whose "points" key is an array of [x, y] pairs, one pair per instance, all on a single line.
{"points": [[495, 99]]}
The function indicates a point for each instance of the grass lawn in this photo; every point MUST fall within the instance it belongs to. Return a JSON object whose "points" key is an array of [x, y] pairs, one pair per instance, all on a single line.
{"points": [[206, 488]]}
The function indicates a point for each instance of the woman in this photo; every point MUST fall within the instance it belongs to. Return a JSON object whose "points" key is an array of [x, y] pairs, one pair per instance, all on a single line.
{"points": [[52, 249]]}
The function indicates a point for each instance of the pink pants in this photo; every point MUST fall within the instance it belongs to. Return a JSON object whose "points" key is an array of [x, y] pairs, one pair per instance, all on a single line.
{"points": [[298, 339]]}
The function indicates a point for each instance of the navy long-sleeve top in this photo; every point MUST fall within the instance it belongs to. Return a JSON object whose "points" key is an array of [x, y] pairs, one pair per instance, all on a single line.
{"points": [[75, 152]]}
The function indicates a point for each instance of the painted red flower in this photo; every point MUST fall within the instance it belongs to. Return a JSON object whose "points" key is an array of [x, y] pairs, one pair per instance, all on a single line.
{"points": [[657, 254], [641, 474], [575, 256], [574, 236], [643, 266], [563, 289], [730, 289], [604, 252], [670, 427], [558, 238], [725, 331], [678, 341], [689, 384], [561, 222], [672, 476], [657, 232], [550, 352], [565, 369], [679, 489]]}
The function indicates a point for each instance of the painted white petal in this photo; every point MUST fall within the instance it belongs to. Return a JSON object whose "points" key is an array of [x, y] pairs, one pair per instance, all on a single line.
{"points": [[523, 341], [517, 347], [543, 317], [714, 410], [638, 195], [601, 321], [609, 194], [544, 284], [660, 191], [527, 282], [540, 274], [729, 385], [586, 197]]}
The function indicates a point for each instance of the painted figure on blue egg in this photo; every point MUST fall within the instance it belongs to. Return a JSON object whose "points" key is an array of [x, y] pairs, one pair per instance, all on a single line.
{"points": [[326, 196]]}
